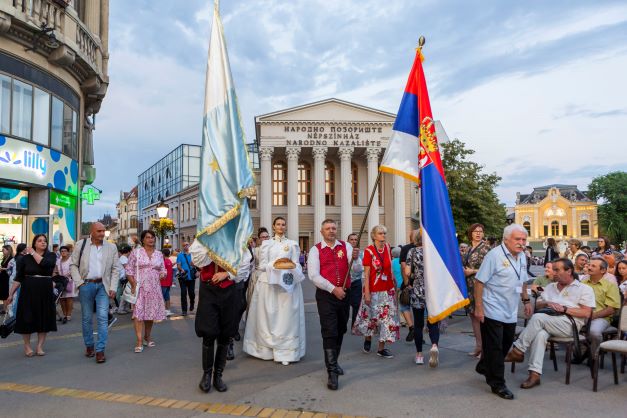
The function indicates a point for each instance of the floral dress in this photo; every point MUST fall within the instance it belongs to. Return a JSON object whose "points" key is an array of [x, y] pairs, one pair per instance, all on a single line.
{"points": [[381, 316], [473, 260], [415, 261], [147, 271]]}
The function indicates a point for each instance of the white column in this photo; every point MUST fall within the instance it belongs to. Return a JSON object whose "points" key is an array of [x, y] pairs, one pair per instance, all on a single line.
{"points": [[373, 171], [399, 210], [346, 179], [264, 200], [292, 192], [319, 153], [573, 228], [535, 231]]}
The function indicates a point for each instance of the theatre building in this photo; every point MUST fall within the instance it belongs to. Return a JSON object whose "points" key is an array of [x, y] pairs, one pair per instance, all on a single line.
{"points": [[558, 211], [53, 78], [321, 160]]}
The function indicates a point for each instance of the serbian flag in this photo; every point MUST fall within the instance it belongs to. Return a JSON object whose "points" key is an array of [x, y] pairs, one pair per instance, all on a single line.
{"points": [[413, 152]]}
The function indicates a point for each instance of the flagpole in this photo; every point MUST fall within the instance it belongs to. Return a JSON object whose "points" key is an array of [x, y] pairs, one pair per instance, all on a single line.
{"points": [[363, 225]]}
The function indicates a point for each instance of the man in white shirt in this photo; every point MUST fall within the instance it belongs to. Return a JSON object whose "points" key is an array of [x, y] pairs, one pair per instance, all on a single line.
{"points": [[566, 296], [95, 270], [328, 269]]}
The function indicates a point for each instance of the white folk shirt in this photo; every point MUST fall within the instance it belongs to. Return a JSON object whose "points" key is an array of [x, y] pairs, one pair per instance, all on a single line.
{"points": [[571, 296], [95, 261], [313, 265]]}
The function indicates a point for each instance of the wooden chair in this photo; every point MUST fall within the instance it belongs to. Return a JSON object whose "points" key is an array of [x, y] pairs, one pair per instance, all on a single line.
{"points": [[616, 346]]}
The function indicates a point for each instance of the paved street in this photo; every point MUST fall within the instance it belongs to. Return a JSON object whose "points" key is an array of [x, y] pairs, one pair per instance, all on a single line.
{"points": [[166, 377]]}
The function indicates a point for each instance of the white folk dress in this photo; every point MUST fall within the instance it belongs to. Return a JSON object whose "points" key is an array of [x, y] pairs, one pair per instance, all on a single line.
{"points": [[275, 326]]}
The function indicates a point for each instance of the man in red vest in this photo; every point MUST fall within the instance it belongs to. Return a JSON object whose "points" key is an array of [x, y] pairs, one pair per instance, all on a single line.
{"points": [[328, 264]]}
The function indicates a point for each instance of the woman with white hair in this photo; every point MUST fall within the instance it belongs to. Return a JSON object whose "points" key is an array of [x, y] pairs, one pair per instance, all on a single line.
{"points": [[378, 312]]}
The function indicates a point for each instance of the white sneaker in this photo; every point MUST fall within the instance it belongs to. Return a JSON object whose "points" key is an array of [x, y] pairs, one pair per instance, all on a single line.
{"points": [[285, 363], [167, 312], [434, 355], [419, 359]]}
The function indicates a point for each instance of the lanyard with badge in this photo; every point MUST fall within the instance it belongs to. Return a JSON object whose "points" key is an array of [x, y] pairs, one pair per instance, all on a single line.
{"points": [[512, 264]]}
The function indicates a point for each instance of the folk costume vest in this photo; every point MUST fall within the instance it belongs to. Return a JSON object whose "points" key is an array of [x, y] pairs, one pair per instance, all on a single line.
{"points": [[207, 272], [334, 263]]}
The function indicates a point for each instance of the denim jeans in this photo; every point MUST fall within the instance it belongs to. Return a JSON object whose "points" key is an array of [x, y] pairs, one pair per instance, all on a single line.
{"points": [[87, 294]]}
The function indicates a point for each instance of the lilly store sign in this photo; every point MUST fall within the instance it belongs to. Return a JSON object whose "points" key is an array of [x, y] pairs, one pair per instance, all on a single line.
{"points": [[35, 164]]}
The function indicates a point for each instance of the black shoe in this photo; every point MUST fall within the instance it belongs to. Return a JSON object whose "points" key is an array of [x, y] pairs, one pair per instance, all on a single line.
{"points": [[237, 336], [385, 353], [191, 307], [410, 335], [184, 313], [207, 368], [230, 355], [64, 320], [330, 360], [480, 368], [503, 392], [367, 345], [219, 363]]}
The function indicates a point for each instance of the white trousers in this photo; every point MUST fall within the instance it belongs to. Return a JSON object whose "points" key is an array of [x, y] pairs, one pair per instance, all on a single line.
{"points": [[537, 332]]}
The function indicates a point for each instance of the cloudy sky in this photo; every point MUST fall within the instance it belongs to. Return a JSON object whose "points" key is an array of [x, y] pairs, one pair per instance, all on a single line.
{"points": [[537, 88]]}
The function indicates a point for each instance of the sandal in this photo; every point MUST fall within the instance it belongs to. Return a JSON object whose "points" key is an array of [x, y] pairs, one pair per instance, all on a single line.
{"points": [[149, 343], [41, 353], [139, 349], [29, 354]]}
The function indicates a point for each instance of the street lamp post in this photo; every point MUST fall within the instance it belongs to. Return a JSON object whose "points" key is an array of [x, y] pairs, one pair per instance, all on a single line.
{"points": [[107, 234], [162, 212]]}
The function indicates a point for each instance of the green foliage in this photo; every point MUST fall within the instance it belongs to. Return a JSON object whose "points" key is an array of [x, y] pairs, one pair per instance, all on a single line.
{"points": [[85, 228], [471, 191], [162, 226], [611, 189]]}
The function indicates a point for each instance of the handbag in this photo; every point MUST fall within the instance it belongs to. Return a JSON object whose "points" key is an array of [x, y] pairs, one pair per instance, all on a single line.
{"points": [[405, 296], [578, 354], [127, 294], [8, 325], [182, 275]]}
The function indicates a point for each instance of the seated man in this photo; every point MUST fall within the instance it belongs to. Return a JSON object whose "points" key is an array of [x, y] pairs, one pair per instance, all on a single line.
{"points": [[607, 300], [566, 295], [541, 282], [580, 264]]}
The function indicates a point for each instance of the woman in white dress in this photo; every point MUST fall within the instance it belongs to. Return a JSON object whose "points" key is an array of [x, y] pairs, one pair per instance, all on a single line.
{"points": [[275, 326]]}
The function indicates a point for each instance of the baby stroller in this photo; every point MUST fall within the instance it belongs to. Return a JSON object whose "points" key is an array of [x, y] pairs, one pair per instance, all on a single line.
{"points": [[60, 284]]}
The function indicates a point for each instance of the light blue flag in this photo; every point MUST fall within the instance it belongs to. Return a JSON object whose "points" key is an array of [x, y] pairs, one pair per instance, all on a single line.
{"points": [[226, 179]]}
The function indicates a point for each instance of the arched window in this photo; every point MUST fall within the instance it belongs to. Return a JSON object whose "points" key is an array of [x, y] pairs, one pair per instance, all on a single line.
{"points": [[329, 184], [355, 184], [585, 228], [555, 228], [279, 184], [527, 226], [304, 184]]}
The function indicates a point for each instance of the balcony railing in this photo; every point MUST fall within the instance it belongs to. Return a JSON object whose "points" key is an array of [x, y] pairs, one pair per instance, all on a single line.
{"points": [[68, 29]]}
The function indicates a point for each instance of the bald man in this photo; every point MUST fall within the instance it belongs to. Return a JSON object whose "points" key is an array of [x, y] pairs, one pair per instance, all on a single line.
{"points": [[95, 271]]}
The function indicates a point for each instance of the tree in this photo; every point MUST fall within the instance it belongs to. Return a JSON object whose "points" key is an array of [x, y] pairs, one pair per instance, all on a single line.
{"points": [[471, 191], [611, 189], [162, 227]]}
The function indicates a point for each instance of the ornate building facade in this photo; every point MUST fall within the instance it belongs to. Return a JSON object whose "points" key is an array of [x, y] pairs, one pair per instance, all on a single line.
{"points": [[321, 160], [53, 79], [558, 211], [128, 223]]}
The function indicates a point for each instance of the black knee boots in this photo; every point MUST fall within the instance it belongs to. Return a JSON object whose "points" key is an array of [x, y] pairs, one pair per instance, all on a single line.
{"points": [[340, 370], [330, 360], [220, 362], [207, 366]]}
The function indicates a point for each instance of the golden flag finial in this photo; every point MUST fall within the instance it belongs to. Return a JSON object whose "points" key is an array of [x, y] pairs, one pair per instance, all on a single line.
{"points": [[421, 43]]}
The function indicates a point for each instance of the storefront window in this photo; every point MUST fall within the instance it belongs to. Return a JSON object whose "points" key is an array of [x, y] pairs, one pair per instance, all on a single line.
{"points": [[5, 103], [41, 117], [22, 109], [56, 130], [63, 214], [69, 132]]}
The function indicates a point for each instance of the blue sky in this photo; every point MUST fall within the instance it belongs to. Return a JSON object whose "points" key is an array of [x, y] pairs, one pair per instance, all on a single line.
{"points": [[537, 88]]}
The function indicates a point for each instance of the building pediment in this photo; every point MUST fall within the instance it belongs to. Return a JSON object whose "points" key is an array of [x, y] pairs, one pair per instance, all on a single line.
{"points": [[327, 110]]}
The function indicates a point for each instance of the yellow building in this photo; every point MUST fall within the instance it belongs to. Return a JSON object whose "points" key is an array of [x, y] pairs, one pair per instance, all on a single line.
{"points": [[559, 211]]}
